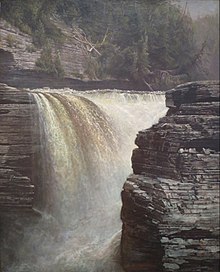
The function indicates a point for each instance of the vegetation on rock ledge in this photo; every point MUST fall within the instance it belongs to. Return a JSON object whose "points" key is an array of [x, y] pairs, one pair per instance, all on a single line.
{"points": [[49, 62], [148, 42]]}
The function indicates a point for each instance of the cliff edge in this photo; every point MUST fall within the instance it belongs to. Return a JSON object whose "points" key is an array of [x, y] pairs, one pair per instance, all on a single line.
{"points": [[170, 207], [19, 142]]}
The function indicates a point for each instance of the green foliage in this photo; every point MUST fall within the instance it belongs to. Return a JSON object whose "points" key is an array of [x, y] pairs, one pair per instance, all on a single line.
{"points": [[93, 68], [49, 63], [140, 36], [77, 75], [11, 41], [206, 31], [31, 48], [58, 69], [33, 18]]}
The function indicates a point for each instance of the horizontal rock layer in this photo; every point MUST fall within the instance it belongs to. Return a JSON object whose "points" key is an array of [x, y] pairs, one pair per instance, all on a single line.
{"points": [[18, 53], [18, 148], [18, 57], [170, 207], [34, 79]]}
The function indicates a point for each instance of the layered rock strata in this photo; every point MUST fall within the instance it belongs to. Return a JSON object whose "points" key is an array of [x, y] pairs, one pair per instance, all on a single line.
{"points": [[19, 55], [18, 148], [170, 207], [35, 79]]}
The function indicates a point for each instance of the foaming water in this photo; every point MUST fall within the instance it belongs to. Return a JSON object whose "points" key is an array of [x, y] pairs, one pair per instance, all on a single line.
{"points": [[86, 144]]}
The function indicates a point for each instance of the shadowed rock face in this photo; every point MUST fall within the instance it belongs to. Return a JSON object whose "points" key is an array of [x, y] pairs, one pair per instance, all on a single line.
{"points": [[170, 207], [18, 146]]}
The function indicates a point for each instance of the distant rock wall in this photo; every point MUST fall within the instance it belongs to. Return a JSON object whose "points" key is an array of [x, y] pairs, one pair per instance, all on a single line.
{"points": [[18, 57], [15, 50], [170, 207], [18, 53], [18, 148]]}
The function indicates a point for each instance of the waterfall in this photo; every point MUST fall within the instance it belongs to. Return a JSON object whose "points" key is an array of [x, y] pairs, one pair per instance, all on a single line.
{"points": [[86, 144]]}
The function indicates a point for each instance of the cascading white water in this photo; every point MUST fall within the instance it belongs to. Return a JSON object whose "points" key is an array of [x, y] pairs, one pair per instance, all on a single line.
{"points": [[86, 141]]}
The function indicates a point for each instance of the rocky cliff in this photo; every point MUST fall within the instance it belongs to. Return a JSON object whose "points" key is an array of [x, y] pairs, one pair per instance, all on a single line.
{"points": [[18, 150], [18, 53], [170, 207], [18, 57]]}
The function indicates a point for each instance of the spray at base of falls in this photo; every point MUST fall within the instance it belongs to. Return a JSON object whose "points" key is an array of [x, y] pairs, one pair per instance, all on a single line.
{"points": [[86, 144]]}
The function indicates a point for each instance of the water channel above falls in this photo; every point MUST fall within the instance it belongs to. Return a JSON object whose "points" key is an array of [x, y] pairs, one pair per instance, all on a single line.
{"points": [[87, 140]]}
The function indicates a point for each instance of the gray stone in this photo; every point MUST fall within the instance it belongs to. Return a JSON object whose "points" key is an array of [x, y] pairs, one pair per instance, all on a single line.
{"points": [[19, 142], [174, 195]]}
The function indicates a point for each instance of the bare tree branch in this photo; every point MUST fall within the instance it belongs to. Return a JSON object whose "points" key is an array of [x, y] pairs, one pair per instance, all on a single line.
{"points": [[80, 36]]}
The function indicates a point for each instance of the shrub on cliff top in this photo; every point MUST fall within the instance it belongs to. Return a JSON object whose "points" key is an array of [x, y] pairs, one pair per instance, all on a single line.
{"points": [[11, 41], [50, 63], [34, 18]]}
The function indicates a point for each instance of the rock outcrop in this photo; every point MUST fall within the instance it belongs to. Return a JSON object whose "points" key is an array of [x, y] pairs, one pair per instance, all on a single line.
{"points": [[18, 53], [18, 150], [18, 57], [170, 207]]}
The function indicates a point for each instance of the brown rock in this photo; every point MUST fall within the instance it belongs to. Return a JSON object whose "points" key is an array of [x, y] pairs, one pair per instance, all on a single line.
{"points": [[18, 148]]}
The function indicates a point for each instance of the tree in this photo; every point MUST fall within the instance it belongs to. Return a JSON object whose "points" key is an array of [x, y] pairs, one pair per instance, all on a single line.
{"points": [[207, 37], [134, 39], [49, 63]]}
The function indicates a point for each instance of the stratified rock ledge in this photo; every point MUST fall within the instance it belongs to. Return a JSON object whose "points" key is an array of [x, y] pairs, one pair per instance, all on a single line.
{"points": [[19, 141], [170, 207]]}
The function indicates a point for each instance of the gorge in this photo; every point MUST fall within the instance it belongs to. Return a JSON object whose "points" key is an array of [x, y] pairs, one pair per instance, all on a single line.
{"points": [[84, 145], [109, 140], [170, 207], [18, 57], [64, 157]]}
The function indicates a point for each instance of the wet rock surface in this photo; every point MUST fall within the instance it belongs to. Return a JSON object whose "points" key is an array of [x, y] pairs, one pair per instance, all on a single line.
{"points": [[170, 207]]}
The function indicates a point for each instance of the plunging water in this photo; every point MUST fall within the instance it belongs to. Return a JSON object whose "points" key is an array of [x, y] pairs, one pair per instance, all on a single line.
{"points": [[86, 144]]}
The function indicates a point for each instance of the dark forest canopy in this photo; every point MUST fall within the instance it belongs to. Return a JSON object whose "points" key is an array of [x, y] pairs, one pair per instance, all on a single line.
{"points": [[136, 39]]}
